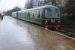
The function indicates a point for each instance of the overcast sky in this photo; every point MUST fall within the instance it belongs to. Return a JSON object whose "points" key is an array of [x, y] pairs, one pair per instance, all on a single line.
{"points": [[9, 4]]}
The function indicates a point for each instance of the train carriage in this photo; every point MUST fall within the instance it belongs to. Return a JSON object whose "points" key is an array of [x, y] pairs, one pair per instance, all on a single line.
{"points": [[47, 16]]}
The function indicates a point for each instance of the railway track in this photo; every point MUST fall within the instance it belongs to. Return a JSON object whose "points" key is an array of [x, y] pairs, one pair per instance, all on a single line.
{"points": [[64, 33], [67, 34]]}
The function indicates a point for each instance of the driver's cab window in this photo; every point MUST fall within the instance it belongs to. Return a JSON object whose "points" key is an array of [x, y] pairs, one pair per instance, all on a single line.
{"points": [[48, 13]]}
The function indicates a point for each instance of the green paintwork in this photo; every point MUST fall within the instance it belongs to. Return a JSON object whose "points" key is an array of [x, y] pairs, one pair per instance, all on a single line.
{"points": [[37, 21]]}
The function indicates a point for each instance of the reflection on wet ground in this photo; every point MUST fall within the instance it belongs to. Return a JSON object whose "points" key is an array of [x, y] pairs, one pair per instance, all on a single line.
{"points": [[20, 35], [13, 37]]}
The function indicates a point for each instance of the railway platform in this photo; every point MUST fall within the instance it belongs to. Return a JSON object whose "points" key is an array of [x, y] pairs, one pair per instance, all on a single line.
{"points": [[20, 35]]}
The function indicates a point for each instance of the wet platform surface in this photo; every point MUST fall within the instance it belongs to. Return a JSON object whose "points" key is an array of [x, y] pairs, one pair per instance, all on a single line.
{"points": [[20, 35]]}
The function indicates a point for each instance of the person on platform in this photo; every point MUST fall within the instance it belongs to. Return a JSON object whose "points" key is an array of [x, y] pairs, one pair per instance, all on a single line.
{"points": [[1, 16]]}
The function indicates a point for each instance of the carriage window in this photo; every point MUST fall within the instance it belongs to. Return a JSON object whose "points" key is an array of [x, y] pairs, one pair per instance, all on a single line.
{"points": [[14, 14], [31, 14], [57, 13], [28, 15], [20, 14], [48, 13], [24, 14], [36, 13], [41, 13]]}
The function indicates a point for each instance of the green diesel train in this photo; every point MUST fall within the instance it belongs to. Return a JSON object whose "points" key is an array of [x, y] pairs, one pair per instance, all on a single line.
{"points": [[47, 16]]}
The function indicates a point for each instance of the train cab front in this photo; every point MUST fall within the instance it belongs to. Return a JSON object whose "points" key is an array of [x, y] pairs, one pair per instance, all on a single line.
{"points": [[56, 25]]}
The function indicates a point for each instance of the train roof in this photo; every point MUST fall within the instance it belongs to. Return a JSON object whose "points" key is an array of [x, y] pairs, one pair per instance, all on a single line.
{"points": [[41, 7], [45, 7]]}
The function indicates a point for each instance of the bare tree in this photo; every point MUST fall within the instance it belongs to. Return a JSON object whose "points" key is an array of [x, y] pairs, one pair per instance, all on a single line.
{"points": [[29, 4]]}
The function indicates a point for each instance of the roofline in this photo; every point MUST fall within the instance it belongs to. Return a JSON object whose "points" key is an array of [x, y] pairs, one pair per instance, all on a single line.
{"points": [[40, 7]]}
